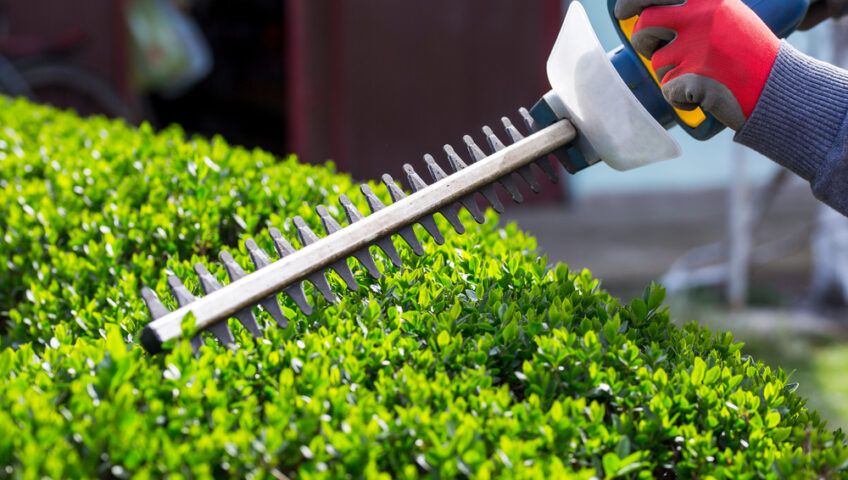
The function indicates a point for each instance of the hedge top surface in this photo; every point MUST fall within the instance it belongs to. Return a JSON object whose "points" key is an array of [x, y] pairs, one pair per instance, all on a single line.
{"points": [[478, 359]]}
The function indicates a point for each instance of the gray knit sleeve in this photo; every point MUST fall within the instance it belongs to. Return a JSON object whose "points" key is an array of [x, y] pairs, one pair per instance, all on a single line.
{"points": [[801, 122]]}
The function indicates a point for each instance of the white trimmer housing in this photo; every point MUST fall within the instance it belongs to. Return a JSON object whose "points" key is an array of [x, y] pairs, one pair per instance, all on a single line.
{"points": [[598, 102]]}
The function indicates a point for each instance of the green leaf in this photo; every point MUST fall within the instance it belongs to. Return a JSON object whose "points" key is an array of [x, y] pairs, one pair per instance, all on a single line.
{"points": [[734, 382], [781, 434], [444, 339], [510, 331], [114, 343], [456, 309], [611, 464], [639, 308], [657, 297], [188, 325], [769, 393], [698, 370], [629, 465], [623, 447], [5, 362], [712, 375], [610, 331], [772, 419]]}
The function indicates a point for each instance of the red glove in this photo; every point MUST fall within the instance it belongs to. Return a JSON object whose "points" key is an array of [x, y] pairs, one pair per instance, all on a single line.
{"points": [[716, 54]]}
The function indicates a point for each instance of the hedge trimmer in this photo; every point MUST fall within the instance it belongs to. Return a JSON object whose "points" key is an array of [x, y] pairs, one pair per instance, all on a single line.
{"points": [[601, 107]]}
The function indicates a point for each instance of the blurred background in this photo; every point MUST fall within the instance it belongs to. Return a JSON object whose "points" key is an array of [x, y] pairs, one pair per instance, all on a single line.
{"points": [[740, 244]]}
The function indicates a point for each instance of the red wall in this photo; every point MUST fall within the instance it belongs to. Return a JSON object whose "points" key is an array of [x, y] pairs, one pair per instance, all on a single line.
{"points": [[102, 22], [375, 84]]}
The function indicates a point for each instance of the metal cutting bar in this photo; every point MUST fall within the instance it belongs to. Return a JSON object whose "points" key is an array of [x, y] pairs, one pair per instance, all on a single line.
{"points": [[251, 289]]}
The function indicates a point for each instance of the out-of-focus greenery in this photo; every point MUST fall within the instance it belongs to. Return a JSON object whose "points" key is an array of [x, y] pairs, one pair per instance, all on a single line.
{"points": [[478, 359], [816, 357], [829, 365]]}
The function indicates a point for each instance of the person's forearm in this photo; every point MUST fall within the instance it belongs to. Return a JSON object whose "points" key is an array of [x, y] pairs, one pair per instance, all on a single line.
{"points": [[801, 122]]}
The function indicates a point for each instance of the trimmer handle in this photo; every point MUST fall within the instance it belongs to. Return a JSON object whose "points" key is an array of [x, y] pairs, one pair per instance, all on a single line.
{"points": [[782, 16]]}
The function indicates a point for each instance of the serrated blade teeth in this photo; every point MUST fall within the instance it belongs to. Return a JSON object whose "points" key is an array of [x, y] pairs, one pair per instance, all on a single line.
{"points": [[525, 171], [282, 245], [154, 305], [248, 320], [234, 270], [394, 191], [509, 185], [364, 256], [476, 152], [416, 183], [542, 162], [436, 172], [545, 166], [456, 162], [406, 233], [512, 132], [451, 215], [487, 191], [495, 143], [529, 122], [384, 243], [373, 200], [150, 340], [209, 284], [196, 342], [445, 197], [506, 181], [351, 212], [222, 332], [258, 256], [181, 293], [184, 297], [341, 267], [367, 261], [389, 249], [269, 304], [307, 237], [295, 292], [329, 223], [467, 201], [304, 233]]}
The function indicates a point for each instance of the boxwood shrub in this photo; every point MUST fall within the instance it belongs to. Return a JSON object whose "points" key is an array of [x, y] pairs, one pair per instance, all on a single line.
{"points": [[479, 359]]}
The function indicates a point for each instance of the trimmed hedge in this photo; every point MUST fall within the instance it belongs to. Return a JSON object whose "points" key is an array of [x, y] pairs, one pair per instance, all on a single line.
{"points": [[479, 359]]}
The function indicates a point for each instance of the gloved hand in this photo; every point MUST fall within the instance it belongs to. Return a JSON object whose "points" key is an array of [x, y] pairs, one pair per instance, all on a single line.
{"points": [[821, 10], [716, 54]]}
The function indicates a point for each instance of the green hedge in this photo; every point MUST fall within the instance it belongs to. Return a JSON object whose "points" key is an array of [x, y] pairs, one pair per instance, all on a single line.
{"points": [[478, 359]]}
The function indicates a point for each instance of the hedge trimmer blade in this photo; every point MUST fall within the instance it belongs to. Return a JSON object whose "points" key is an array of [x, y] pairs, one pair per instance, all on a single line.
{"points": [[310, 263]]}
